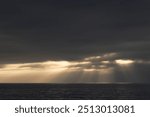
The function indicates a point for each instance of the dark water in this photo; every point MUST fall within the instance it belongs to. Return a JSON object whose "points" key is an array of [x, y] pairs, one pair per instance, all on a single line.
{"points": [[75, 91]]}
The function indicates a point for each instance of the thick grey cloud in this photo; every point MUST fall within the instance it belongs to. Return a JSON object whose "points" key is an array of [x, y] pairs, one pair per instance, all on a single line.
{"points": [[73, 29]]}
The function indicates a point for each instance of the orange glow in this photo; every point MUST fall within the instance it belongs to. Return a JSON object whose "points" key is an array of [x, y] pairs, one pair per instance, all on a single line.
{"points": [[124, 61], [58, 71], [92, 58], [105, 62]]}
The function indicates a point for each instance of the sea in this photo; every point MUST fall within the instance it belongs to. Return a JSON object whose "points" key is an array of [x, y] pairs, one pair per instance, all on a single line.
{"points": [[75, 91]]}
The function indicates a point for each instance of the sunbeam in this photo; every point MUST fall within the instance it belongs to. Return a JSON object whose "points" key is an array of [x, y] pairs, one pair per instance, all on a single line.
{"points": [[90, 69]]}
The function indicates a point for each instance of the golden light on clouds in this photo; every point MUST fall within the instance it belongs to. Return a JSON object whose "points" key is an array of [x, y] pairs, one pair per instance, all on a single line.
{"points": [[124, 61], [89, 70], [95, 68], [52, 65], [92, 58], [105, 62]]}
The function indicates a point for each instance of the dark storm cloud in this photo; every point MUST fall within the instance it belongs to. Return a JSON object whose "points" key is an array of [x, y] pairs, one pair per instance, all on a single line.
{"points": [[35, 30]]}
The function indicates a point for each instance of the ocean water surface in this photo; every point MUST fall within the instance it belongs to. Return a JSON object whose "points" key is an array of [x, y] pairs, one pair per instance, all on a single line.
{"points": [[75, 91]]}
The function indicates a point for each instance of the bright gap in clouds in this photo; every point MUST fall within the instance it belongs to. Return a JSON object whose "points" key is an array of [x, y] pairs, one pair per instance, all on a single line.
{"points": [[124, 62], [91, 69]]}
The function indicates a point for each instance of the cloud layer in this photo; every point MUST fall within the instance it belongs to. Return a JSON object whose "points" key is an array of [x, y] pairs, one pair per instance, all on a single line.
{"points": [[94, 69], [35, 31]]}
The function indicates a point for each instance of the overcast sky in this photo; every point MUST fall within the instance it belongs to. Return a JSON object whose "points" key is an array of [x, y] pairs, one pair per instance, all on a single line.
{"points": [[33, 31]]}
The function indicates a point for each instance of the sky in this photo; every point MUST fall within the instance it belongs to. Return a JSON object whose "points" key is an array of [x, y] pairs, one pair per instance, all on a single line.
{"points": [[74, 41]]}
